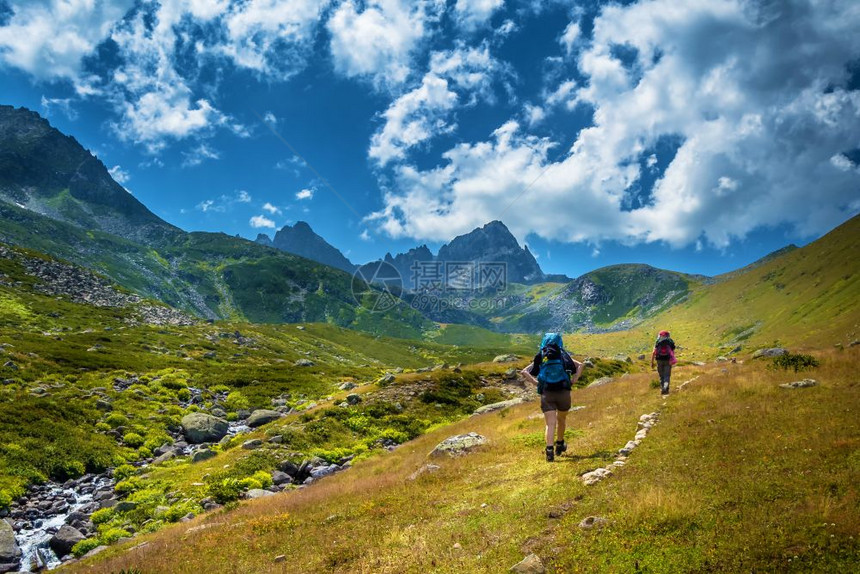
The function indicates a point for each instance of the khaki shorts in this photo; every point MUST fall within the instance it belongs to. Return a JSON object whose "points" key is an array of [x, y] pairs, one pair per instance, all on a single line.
{"points": [[555, 401]]}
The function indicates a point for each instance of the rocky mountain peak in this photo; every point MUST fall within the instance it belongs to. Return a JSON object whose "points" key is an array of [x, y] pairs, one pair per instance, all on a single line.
{"points": [[300, 239], [50, 173]]}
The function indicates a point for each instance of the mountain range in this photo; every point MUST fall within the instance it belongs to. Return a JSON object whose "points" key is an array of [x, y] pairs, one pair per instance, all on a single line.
{"points": [[58, 198]]}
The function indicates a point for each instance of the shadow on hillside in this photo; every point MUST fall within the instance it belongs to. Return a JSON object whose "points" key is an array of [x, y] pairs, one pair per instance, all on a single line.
{"points": [[575, 457]]}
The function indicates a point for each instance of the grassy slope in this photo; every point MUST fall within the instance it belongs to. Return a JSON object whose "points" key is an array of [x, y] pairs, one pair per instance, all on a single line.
{"points": [[739, 475], [804, 298]]}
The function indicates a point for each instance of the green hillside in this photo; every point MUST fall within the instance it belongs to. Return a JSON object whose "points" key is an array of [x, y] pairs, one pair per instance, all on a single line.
{"points": [[803, 298]]}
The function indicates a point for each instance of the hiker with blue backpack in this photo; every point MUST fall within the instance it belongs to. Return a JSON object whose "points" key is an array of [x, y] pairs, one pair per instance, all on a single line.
{"points": [[554, 371], [664, 354]]}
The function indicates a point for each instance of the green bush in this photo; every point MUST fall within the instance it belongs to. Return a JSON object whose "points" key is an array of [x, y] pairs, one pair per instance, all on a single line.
{"points": [[5, 499], [101, 515], [85, 546], [128, 485], [123, 471], [116, 420], [183, 394], [111, 535], [250, 483], [225, 490], [102, 427], [797, 362], [236, 401], [173, 381], [133, 440], [263, 477]]}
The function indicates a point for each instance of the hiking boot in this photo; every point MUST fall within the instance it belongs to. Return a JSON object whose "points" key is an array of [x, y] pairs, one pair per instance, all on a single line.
{"points": [[560, 447], [550, 454]]}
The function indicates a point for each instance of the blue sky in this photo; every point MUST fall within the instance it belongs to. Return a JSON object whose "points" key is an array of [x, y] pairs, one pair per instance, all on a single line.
{"points": [[695, 136]]}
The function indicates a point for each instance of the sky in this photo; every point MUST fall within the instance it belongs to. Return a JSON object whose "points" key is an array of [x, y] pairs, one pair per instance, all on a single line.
{"points": [[695, 136]]}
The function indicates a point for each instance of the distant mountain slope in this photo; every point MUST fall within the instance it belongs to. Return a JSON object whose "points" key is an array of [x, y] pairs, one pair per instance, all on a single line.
{"points": [[48, 172], [607, 299], [803, 297], [301, 240]]}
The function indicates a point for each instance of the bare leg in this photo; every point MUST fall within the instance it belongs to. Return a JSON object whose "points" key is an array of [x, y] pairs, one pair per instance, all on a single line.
{"points": [[550, 418], [562, 424]]}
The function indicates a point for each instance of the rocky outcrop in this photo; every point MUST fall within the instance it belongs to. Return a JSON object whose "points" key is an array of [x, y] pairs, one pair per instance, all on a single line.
{"points": [[10, 554], [199, 428], [459, 444], [261, 417], [531, 564], [772, 352], [65, 538], [498, 406], [805, 383]]}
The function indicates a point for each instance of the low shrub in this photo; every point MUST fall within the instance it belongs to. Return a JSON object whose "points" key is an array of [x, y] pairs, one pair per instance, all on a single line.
{"points": [[795, 361], [123, 471], [111, 535], [85, 546], [133, 440], [101, 516]]}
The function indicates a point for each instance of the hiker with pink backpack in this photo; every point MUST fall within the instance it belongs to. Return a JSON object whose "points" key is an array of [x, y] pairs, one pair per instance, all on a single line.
{"points": [[664, 355], [554, 371]]}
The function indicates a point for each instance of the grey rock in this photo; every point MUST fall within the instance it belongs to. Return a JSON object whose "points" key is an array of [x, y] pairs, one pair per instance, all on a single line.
{"points": [[353, 399], [279, 477], [593, 522], [772, 352], [65, 538], [202, 454], [505, 358], [9, 551], [326, 470], [262, 416], [601, 381], [349, 385], [531, 564], [199, 428], [258, 493], [595, 476], [386, 379], [252, 444], [459, 444], [805, 383], [125, 506], [304, 363], [290, 468], [498, 406]]}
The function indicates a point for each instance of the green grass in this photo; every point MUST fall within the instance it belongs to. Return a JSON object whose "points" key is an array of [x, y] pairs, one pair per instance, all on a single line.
{"points": [[738, 475]]}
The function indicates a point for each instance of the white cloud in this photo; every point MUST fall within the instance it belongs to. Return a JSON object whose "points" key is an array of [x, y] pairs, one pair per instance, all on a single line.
{"points": [[569, 37], [63, 105], [755, 99], [471, 14], [424, 112], [261, 221], [378, 42], [305, 194], [507, 28], [243, 197], [119, 175], [48, 38], [533, 114], [271, 208], [364, 236], [270, 118], [198, 155], [207, 205]]}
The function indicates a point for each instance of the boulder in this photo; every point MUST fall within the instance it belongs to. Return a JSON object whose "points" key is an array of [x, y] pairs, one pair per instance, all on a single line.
{"points": [[202, 454], [498, 406], [258, 493], [772, 352], [800, 384], [9, 551], [279, 477], [601, 381], [304, 363], [353, 399], [505, 358], [531, 564], [65, 538], [199, 428], [593, 522], [595, 476], [262, 416], [459, 444], [252, 444], [387, 379], [349, 385], [125, 506]]}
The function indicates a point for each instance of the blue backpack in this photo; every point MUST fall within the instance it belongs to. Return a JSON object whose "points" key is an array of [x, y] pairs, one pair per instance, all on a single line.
{"points": [[552, 375]]}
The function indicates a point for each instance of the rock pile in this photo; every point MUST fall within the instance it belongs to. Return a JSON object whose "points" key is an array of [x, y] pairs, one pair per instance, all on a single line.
{"points": [[646, 422], [805, 383]]}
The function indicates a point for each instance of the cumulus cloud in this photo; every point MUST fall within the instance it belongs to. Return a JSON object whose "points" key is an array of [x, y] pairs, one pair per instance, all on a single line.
{"points": [[569, 37], [471, 14], [757, 97], [119, 175], [379, 41], [306, 193], [261, 221], [459, 77], [198, 155], [49, 38], [272, 209]]}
